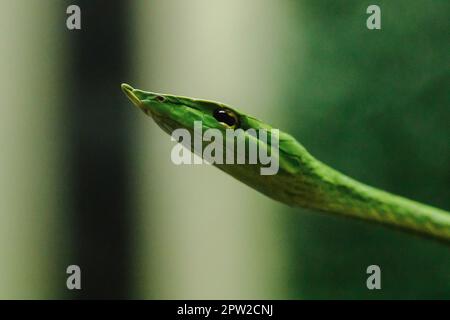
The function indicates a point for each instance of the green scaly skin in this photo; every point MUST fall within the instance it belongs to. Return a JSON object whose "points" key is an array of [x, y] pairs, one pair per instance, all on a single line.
{"points": [[302, 180]]}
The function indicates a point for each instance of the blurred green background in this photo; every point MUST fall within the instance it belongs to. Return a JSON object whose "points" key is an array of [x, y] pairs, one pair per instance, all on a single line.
{"points": [[86, 179]]}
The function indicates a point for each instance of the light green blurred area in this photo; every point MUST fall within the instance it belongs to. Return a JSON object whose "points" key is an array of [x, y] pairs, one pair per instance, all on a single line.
{"points": [[33, 234], [211, 237]]}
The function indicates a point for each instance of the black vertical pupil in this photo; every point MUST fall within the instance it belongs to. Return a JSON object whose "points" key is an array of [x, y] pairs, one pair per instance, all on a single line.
{"points": [[224, 116]]}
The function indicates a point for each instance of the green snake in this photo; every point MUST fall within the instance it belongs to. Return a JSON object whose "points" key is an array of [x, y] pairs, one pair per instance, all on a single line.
{"points": [[301, 180]]}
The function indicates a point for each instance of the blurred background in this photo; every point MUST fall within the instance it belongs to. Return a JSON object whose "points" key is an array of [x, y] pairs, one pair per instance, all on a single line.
{"points": [[86, 178]]}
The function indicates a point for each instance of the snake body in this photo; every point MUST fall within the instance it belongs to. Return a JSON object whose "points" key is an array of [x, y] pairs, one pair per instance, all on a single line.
{"points": [[302, 180]]}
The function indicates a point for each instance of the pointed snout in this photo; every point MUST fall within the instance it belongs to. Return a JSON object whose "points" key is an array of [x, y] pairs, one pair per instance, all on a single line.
{"points": [[135, 96]]}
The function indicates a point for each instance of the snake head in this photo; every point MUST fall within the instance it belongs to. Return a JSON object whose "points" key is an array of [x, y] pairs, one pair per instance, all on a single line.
{"points": [[174, 112]]}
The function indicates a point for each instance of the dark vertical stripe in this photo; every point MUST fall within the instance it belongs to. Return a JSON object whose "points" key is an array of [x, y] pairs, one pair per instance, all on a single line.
{"points": [[99, 149]]}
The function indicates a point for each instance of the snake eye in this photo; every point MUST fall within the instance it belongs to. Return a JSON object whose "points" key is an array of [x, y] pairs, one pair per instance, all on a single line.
{"points": [[226, 117], [160, 98]]}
